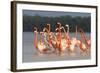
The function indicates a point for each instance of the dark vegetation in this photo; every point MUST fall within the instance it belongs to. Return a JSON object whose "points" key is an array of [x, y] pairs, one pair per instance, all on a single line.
{"points": [[40, 22]]}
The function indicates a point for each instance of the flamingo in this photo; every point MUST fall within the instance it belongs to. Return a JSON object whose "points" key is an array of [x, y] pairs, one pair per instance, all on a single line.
{"points": [[66, 42], [49, 29], [39, 45], [61, 40], [52, 39], [73, 43], [47, 35], [83, 45], [50, 34], [86, 39], [63, 43], [68, 37], [47, 39], [54, 42], [57, 38]]}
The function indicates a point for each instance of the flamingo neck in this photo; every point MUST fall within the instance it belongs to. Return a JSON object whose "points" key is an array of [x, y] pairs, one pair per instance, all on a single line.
{"points": [[49, 28], [35, 38]]}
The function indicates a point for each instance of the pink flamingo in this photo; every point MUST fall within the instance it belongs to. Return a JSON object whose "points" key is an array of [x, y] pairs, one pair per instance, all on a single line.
{"points": [[84, 46], [63, 43], [71, 42], [52, 39], [61, 40], [39, 44], [48, 38], [86, 39]]}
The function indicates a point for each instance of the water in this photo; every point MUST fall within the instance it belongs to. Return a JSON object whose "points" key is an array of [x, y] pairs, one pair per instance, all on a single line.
{"points": [[29, 52]]}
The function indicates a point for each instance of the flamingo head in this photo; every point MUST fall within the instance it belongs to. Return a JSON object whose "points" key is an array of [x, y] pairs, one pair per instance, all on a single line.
{"points": [[67, 25], [35, 29], [59, 24], [44, 30], [48, 24], [56, 29]]}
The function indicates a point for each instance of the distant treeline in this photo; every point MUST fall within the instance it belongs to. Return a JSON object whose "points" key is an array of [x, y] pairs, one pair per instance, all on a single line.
{"points": [[40, 22]]}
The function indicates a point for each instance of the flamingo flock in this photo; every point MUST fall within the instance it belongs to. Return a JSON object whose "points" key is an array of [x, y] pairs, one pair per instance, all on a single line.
{"points": [[60, 42]]}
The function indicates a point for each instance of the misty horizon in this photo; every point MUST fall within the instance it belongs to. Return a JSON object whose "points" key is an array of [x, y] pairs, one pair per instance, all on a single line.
{"points": [[53, 13]]}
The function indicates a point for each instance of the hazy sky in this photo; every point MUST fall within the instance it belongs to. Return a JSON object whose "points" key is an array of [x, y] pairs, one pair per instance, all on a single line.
{"points": [[53, 13]]}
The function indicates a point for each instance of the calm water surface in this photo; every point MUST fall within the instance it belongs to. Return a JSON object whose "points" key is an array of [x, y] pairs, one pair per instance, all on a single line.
{"points": [[29, 52]]}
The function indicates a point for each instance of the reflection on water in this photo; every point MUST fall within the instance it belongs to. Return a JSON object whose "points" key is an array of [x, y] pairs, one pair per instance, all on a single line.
{"points": [[30, 53]]}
